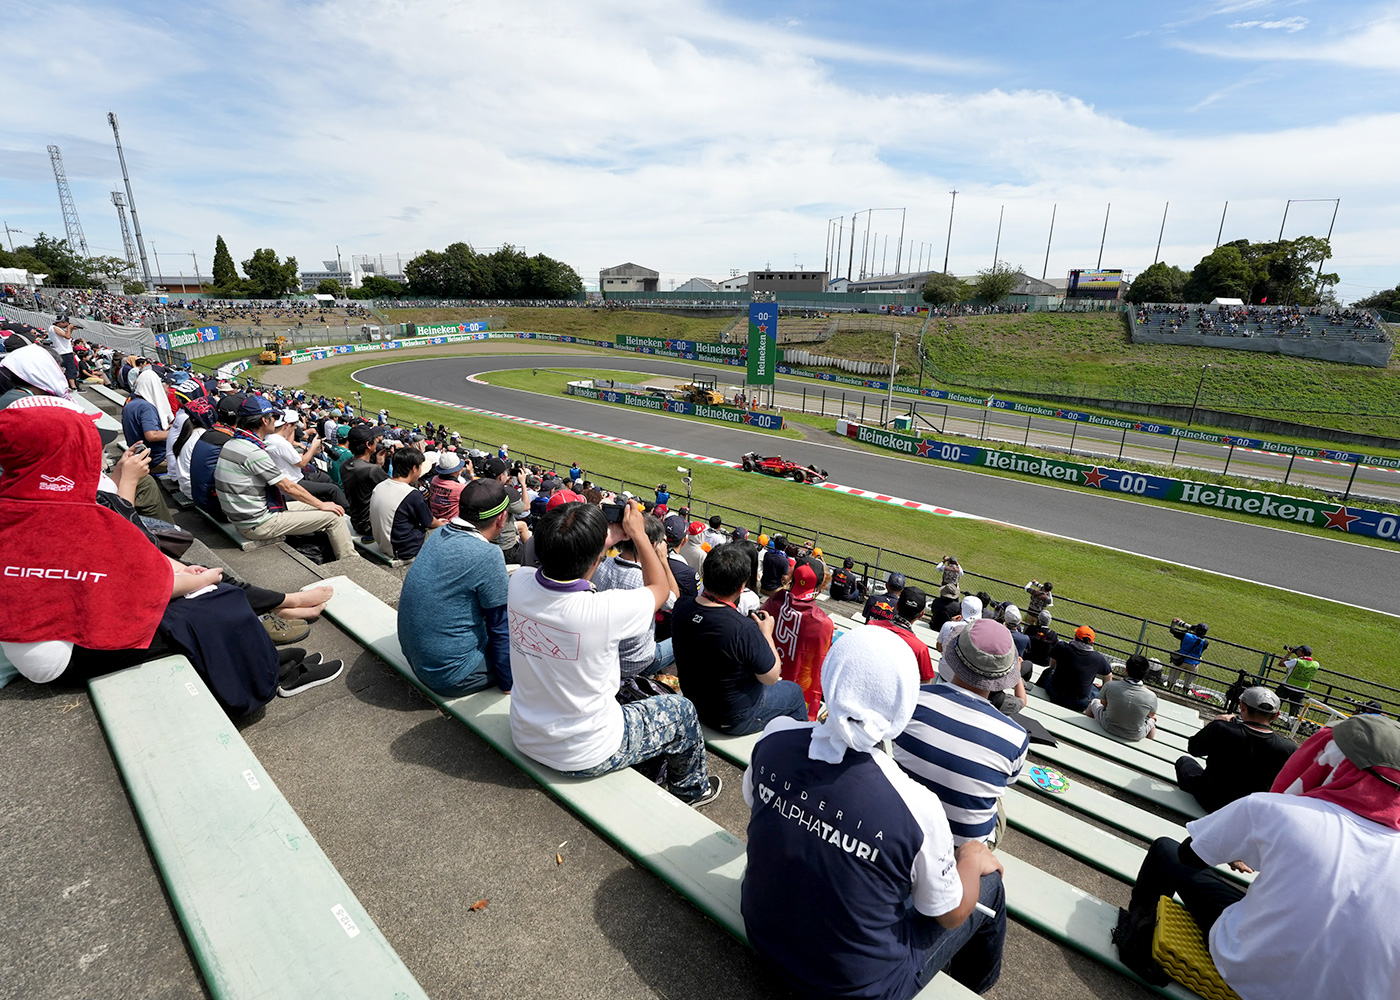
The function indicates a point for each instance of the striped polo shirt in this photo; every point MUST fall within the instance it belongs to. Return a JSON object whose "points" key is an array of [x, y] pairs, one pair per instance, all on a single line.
{"points": [[966, 752], [243, 479]]}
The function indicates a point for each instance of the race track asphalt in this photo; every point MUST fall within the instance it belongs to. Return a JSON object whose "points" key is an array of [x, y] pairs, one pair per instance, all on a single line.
{"points": [[1330, 568]]}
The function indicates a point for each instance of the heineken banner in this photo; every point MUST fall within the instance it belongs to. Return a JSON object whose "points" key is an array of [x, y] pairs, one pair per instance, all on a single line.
{"points": [[1351, 520], [728, 414], [763, 342], [189, 335]]}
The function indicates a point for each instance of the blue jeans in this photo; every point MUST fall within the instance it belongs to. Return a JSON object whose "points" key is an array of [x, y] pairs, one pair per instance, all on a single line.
{"points": [[664, 726], [970, 952], [665, 656], [784, 698]]}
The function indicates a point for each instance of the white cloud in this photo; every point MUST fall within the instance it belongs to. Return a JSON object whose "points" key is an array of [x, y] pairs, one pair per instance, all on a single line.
{"points": [[1371, 44], [1288, 24]]}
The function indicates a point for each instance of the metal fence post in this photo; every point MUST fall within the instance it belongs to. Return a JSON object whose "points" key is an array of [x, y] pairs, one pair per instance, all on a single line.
{"points": [[823, 402], [1027, 441], [1142, 634], [1121, 443], [1176, 443], [1228, 455], [1289, 471], [804, 399], [1073, 430], [862, 408], [1354, 466]]}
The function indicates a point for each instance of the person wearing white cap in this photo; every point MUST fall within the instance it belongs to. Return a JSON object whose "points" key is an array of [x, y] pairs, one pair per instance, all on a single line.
{"points": [[1243, 752], [968, 612], [853, 885], [297, 465]]}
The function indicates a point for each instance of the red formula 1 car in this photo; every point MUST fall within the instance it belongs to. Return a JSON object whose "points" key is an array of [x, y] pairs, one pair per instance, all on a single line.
{"points": [[776, 465]]}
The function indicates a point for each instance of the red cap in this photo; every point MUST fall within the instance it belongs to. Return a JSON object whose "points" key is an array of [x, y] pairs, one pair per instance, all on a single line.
{"points": [[696, 528], [559, 497], [804, 581]]}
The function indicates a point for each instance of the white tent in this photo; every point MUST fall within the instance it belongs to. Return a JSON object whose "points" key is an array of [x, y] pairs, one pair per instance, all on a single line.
{"points": [[329, 299], [19, 276], [1217, 301]]}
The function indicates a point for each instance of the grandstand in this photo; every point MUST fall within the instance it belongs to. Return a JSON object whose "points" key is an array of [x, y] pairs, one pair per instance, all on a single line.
{"points": [[1350, 335]]}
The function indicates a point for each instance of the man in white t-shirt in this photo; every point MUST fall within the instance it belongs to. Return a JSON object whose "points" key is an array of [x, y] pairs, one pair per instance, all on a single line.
{"points": [[564, 639], [297, 465], [61, 340], [1318, 920]]}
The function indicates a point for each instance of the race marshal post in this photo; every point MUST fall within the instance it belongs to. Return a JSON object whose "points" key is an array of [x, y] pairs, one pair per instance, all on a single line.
{"points": [[763, 342]]}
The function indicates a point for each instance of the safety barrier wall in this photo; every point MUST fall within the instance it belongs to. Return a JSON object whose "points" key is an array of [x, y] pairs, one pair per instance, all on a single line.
{"points": [[1350, 520], [727, 414]]}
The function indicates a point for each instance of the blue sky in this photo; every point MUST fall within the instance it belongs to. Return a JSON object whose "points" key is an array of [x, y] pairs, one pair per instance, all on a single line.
{"points": [[698, 137]]}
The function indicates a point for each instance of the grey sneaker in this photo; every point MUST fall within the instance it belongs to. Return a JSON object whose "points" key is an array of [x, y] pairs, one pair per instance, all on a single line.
{"points": [[710, 794], [284, 630]]}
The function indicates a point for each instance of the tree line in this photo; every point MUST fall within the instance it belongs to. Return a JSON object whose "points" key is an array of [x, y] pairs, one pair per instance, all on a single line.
{"points": [[1284, 272]]}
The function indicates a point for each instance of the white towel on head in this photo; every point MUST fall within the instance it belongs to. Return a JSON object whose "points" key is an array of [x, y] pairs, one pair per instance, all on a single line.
{"points": [[870, 682], [150, 388], [35, 366]]}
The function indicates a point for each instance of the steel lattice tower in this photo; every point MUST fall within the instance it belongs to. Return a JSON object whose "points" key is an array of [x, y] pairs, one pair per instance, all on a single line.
{"points": [[77, 242], [127, 244]]}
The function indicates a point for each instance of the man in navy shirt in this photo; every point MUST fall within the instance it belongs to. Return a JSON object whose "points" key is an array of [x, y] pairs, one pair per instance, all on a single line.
{"points": [[854, 888]]}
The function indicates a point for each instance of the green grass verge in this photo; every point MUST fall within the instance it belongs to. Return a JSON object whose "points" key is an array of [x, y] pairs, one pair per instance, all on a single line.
{"points": [[553, 382], [1345, 638], [596, 324]]}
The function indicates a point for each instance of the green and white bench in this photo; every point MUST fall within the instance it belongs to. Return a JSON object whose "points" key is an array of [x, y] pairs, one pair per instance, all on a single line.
{"points": [[1073, 723], [1102, 744], [1125, 779], [232, 533], [266, 914], [691, 853], [370, 550]]}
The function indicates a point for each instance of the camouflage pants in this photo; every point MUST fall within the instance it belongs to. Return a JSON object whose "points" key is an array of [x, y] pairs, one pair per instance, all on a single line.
{"points": [[663, 726]]}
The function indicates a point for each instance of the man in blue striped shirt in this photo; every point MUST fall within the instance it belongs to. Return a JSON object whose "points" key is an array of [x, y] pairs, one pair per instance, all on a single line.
{"points": [[957, 744]]}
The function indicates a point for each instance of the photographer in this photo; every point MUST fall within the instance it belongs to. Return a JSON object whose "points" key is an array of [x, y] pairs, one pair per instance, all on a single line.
{"points": [[728, 662], [1187, 659], [1302, 668], [512, 477]]}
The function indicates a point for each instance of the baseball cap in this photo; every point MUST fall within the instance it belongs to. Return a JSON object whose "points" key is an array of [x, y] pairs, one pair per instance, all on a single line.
{"points": [[695, 528], [741, 534], [448, 464], [1011, 615], [482, 499], [1303, 650], [1084, 633], [490, 468], [1261, 699], [561, 497], [255, 406], [675, 528], [342, 432], [287, 417], [911, 603], [983, 656], [971, 608], [895, 580], [227, 410], [360, 437], [804, 581]]}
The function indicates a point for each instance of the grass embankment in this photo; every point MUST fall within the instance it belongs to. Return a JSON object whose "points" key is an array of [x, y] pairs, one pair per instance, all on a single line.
{"points": [[596, 324], [1346, 638], [553, 382]]}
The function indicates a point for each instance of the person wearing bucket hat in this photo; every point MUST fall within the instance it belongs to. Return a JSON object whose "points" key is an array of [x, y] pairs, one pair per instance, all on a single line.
{"points": [[961, 747], [881, 898], [446, 484], [1318, 921], [1243, 752], [1074, 667], [452, 608]]}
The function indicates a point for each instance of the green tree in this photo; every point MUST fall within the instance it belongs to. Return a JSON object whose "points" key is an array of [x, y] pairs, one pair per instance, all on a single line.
{"points": [[1288, 272], [329, 286], [133, 288], [1223, 273], [379, 287], [64, 268], [1387, 299], [460, 272], [997, 282], [1161, 282], [269, 277], [945, 290], [226, 280]]}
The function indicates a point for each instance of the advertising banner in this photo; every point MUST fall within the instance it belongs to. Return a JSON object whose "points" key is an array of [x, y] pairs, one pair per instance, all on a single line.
{"points": [[727, 414], [443, 329], [763, 342], [1321, 514]]}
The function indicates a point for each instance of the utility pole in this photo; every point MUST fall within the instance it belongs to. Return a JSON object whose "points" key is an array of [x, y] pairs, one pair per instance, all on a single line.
{"points": [[949, 245], [997, 252], [869, 213], [1158, 254], [1046, 269], [894, 358], [159, 276], [850, 256], [1280, 225], [77, 242], [131, 203], [1336, 204], [1104, 238], [197, 278], [8, 231], [899, 253], [1219, 232]]}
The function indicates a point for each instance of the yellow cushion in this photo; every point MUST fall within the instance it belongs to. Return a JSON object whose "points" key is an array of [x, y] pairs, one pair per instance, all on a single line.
{"points": [[1180, 949]]}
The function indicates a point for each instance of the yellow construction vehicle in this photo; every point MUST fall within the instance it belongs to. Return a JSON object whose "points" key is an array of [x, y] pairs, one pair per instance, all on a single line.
{"points": [[701, 390], [273, 351]]}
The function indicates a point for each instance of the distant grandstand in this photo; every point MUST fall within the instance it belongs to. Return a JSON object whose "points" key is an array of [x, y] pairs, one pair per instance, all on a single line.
{"points": [[1352, 336]]}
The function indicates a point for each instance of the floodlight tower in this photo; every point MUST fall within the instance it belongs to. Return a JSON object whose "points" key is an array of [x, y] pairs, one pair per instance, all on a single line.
{"points": [[77, 242], [127, 244], [131, 202]]}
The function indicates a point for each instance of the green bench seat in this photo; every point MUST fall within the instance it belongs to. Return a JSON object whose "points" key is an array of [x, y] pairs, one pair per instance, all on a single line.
{"points": [[691, 853], [266, 914], [1102, 744], [1163, 747]]}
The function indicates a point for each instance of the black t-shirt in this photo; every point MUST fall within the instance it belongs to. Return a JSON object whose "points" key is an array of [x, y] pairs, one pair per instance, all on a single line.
{"points": [[719, 655], [775, 567], [1239, 760], [843, 585], [880, 607], [359, 478], [687, 584], [943, 610], [1043, 640], [1076, 666]]}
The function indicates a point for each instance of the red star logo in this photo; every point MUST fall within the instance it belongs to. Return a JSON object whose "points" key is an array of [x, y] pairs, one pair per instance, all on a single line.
{"points": [[1339, 518], [1137, 426], [1059, 413], [763, 328], [924, 448], [1094, 477], [1225, 439]]}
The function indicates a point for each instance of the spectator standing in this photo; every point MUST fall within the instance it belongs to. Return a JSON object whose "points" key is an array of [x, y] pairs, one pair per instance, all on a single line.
{"points": [[1074, 666], [452, 609], [258, 498], [880, 607], [1302, 668], [1243, 753], [663, 496], [727, 661], [565, 670], [907, 611], [60, 336], [360, 474], [802, 633], [958, 745], [1041, 598], [398, 512], [446, 486], [1126, 708], [884, 918], [952, 572], [1187, 659], [640, 654]]}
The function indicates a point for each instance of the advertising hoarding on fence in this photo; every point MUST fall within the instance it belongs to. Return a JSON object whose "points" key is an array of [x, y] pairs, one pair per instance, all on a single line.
{"points": [[728, 414], [763, 342], [445, 329], [1297, 510]]}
